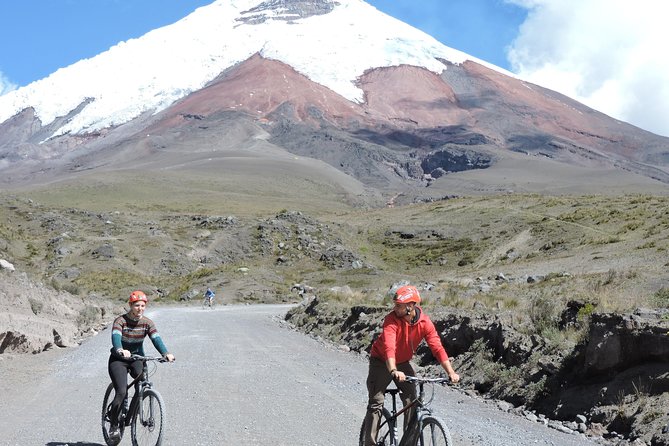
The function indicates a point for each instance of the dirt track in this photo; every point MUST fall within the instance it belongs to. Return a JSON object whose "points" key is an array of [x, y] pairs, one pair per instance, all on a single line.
{"points": [[242, 377]]}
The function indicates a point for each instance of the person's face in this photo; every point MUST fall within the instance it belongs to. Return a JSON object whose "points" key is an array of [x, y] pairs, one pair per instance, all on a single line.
{"points": [[402, 310], [137, 308]]}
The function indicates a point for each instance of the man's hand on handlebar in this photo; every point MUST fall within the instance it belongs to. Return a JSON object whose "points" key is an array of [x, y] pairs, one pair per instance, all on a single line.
{"points": [[398, 376], [454, 377]]}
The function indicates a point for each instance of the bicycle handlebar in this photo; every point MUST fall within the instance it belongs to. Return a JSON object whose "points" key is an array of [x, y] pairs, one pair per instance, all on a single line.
{"points": [[417, 379], [147, 358]]}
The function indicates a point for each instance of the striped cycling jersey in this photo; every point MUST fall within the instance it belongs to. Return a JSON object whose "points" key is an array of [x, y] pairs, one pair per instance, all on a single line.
{"points": [[129, 335]]}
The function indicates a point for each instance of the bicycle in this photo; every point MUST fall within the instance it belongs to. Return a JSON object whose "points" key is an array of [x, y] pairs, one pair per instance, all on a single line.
{"points": [[145, 413], [424, 429], [208, 301]]}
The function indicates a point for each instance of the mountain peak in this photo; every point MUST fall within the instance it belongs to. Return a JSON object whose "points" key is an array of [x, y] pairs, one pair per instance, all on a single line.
{"points": [[333, 43], [286, 10]]}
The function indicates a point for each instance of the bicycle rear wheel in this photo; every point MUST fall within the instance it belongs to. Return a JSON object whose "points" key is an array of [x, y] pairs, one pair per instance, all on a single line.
{"points": [[434, 433], [385, 436], [149, 420], [106, 420]]}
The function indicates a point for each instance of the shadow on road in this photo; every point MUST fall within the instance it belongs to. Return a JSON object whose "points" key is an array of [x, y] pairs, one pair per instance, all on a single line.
{"points": [[70, 443]]}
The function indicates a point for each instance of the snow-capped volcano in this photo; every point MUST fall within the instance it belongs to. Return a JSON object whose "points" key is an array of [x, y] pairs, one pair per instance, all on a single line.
{"points": [[331, 42], [367, 98]]}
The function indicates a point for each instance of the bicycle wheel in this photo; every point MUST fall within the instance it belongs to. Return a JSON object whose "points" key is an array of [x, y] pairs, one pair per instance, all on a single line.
{"points": [[434, 433], [149, 420], [385, 436], [106, 420]]}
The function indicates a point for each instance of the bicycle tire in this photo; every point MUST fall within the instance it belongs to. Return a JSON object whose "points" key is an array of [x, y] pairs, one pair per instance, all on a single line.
{"points": [[433, 432], [384, 437], [148, 421], [106, 421]]}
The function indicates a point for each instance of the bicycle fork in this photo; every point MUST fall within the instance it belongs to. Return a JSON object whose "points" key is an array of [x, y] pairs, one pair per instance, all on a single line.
{"points": [[131, 408]]}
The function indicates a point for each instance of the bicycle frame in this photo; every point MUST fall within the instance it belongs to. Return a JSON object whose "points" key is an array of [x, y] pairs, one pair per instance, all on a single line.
{"points": [[422, 410], [141, 383]]}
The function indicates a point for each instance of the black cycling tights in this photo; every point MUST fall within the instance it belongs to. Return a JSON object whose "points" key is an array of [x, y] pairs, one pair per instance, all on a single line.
{"points": [[118, 372]]}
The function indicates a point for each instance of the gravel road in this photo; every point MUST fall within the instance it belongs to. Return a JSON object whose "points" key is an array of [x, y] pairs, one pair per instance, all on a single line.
{"points": [[242, 377]]}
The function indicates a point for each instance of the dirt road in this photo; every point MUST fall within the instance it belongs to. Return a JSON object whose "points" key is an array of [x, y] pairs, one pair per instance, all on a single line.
{"points": [[242, 377]]}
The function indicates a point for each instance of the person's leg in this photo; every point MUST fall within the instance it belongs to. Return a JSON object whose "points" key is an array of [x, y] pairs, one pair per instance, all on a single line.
{"points": [[135, 368], [377, 381], [118, 372], [407, 390]]}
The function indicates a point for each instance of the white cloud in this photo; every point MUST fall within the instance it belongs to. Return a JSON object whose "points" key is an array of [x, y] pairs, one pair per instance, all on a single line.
{"points": [[6, 85], [608, 54]]}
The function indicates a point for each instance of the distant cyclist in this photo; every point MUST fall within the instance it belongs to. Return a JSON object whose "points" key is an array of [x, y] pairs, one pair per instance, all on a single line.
{"points": [[209, 296], [127, 336]]}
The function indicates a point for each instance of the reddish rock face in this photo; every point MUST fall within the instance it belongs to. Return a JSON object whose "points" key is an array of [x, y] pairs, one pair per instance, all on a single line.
{"points": [[411, 118], [511, 114]]}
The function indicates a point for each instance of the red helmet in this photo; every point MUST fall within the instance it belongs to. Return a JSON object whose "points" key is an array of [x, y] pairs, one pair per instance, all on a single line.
{"points": [[406, 294], [136, 296]]}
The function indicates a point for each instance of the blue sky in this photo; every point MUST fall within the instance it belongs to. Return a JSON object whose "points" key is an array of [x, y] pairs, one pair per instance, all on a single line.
{"points": [[39, 36], [611, 61]]}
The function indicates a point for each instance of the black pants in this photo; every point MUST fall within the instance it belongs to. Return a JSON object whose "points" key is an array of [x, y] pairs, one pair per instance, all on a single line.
{"points": [[118, 372]]}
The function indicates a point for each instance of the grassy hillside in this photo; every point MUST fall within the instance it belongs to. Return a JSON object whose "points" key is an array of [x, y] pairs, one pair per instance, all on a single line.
{"points": [[109, 235], [519, 259]]}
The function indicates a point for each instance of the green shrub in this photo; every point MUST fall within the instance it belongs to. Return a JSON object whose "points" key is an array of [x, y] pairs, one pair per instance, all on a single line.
{"points": [[584, 313], [543, 313], [87, 316], [661, 297]]}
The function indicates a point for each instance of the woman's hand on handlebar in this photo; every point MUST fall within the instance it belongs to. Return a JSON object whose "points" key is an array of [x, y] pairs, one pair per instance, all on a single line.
{"points": [[170, 357]]}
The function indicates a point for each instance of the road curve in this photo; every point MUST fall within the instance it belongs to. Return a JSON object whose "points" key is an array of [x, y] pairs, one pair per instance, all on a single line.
{"points": [[242, 377]]}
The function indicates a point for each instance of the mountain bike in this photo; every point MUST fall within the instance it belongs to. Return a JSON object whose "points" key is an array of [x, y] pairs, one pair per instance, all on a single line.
{"points": [[424, 429], [145, 413], [208, 301]]}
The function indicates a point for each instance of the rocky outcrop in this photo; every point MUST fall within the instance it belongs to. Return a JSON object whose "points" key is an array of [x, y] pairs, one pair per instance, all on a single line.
{"points": [[291, 236], [620, 342], [35, 318]]}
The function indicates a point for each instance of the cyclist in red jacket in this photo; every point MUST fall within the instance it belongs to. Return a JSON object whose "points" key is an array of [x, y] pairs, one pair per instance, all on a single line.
{"points": [[403, 330]]}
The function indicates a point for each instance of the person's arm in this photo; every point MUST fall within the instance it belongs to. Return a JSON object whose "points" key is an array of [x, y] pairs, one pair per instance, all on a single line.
{"points": [[116, 338], [390, 342], [158, 342], [160, 346], [449, 371], [434, 342]]}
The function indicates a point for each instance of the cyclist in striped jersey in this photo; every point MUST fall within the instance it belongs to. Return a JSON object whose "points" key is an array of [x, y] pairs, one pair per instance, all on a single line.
{"points": [[128, 333]]}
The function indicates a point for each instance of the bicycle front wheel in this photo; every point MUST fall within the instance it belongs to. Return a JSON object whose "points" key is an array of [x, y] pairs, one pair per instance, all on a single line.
{"points": [[434, 433], [385, 436], [149, 420]]}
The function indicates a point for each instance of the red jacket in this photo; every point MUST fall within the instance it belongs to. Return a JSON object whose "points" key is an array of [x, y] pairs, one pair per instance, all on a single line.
{"points": [[399, 339]]}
